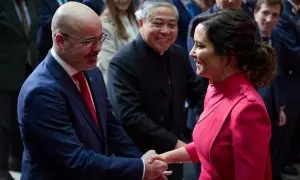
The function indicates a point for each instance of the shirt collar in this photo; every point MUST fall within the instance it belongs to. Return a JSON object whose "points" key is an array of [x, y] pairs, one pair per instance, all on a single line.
{"points": [[67, 67]]}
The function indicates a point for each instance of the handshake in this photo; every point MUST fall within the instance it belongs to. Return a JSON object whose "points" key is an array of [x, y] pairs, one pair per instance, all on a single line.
{"points": [[155, 169]]}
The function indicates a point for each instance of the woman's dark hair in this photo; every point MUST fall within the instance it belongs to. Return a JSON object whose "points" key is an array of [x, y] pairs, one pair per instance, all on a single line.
{"points": [[234, 33], [121, 31]]}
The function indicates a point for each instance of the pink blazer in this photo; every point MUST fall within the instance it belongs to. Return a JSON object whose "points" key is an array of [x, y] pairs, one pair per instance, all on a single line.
{"points": [[231, 138]]}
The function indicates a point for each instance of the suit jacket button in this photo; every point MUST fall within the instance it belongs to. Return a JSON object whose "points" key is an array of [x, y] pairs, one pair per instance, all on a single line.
{"points": [[290, 72]]}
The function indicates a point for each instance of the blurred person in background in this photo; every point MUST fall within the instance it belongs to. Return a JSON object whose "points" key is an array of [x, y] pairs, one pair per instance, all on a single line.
{"points": [[188, 9], [18, 56], [289, 30], [266, 15], [120, 25]]}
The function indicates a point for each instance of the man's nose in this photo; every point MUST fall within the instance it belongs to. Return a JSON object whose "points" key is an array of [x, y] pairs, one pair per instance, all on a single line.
{"points": [[165, 29], [269, 18], [97, 46]]}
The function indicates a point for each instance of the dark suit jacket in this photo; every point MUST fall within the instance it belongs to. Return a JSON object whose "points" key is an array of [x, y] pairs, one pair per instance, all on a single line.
{"points": [[273, 94], [147, 99], [14, 44], [61, 139], [47, 10], [289, 30]]}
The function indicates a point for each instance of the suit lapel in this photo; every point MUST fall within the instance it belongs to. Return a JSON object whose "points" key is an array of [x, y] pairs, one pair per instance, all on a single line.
{"points": [[99, 102], [72, 92], [13, 17], [31, 10]]}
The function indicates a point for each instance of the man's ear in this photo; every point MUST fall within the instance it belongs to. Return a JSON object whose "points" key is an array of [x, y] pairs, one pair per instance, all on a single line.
{"points": [[59, 39], [255, 11]]}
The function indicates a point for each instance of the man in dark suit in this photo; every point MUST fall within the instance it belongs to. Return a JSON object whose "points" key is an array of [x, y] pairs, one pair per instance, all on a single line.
{"points": [[18, 56], [64, 115], [149, 81], [266, 15], [47, 10], [289, 30]]}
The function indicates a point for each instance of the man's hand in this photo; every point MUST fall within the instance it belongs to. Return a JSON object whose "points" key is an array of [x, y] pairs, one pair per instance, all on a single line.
{"points": [[179, 144], [156, 169], [282, 116]]}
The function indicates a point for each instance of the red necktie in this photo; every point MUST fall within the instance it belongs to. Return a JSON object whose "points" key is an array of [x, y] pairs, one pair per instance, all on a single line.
{"points": [[86, 94]]}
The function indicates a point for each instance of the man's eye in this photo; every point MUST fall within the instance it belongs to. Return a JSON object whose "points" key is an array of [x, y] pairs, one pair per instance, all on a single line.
{"points": [[199, 45], [157, 23], [88, 41], [172, 26]]}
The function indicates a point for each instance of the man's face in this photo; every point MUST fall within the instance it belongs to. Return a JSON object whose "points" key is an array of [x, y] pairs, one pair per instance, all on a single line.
{"points": [[160, 29], [82, 46], [233, 4], [267, 18]]}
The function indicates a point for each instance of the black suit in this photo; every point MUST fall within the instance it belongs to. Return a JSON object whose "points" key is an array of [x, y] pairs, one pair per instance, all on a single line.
{"points": [[148, 91], [15, 64]]}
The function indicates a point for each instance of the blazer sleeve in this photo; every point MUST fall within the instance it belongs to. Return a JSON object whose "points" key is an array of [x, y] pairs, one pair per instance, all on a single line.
{"points": [[109, 48], [51, 128], [251, 133], [191, 150], [124, 94]]}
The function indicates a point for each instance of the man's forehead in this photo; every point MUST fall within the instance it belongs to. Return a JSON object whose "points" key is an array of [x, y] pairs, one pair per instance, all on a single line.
{"points": [[270, 7], [163, 18]]}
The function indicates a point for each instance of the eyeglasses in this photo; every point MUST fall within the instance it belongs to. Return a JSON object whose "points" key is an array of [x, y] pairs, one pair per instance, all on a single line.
{"points": [[89, 42]]}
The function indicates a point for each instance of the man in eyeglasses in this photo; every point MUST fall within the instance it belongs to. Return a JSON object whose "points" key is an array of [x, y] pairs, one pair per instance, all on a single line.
{"points": [[65, 119]]}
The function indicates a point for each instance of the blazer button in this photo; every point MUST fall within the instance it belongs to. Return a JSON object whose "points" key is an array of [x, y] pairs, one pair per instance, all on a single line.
{"points": [[161, 118], [290, 72]]}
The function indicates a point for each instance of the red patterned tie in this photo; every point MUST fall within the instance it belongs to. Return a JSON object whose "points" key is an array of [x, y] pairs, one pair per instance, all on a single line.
{"points": [[86, 93]]}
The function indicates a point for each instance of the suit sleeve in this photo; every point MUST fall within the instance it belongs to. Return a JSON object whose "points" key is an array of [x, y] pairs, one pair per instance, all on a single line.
{"points": [[250, 138], [124, 94], [51, 128]]}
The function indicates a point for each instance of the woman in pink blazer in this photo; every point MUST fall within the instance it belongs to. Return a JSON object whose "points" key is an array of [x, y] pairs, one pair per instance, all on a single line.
{"points": [[231, 138]]}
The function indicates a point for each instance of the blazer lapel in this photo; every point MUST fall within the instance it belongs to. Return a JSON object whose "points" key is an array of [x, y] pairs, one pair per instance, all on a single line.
{"points": [[72, 92], [207, 112]]}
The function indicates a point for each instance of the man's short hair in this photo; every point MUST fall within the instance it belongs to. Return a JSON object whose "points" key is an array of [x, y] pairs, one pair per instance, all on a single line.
{"points": [[259, 3], [149, 6]]}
